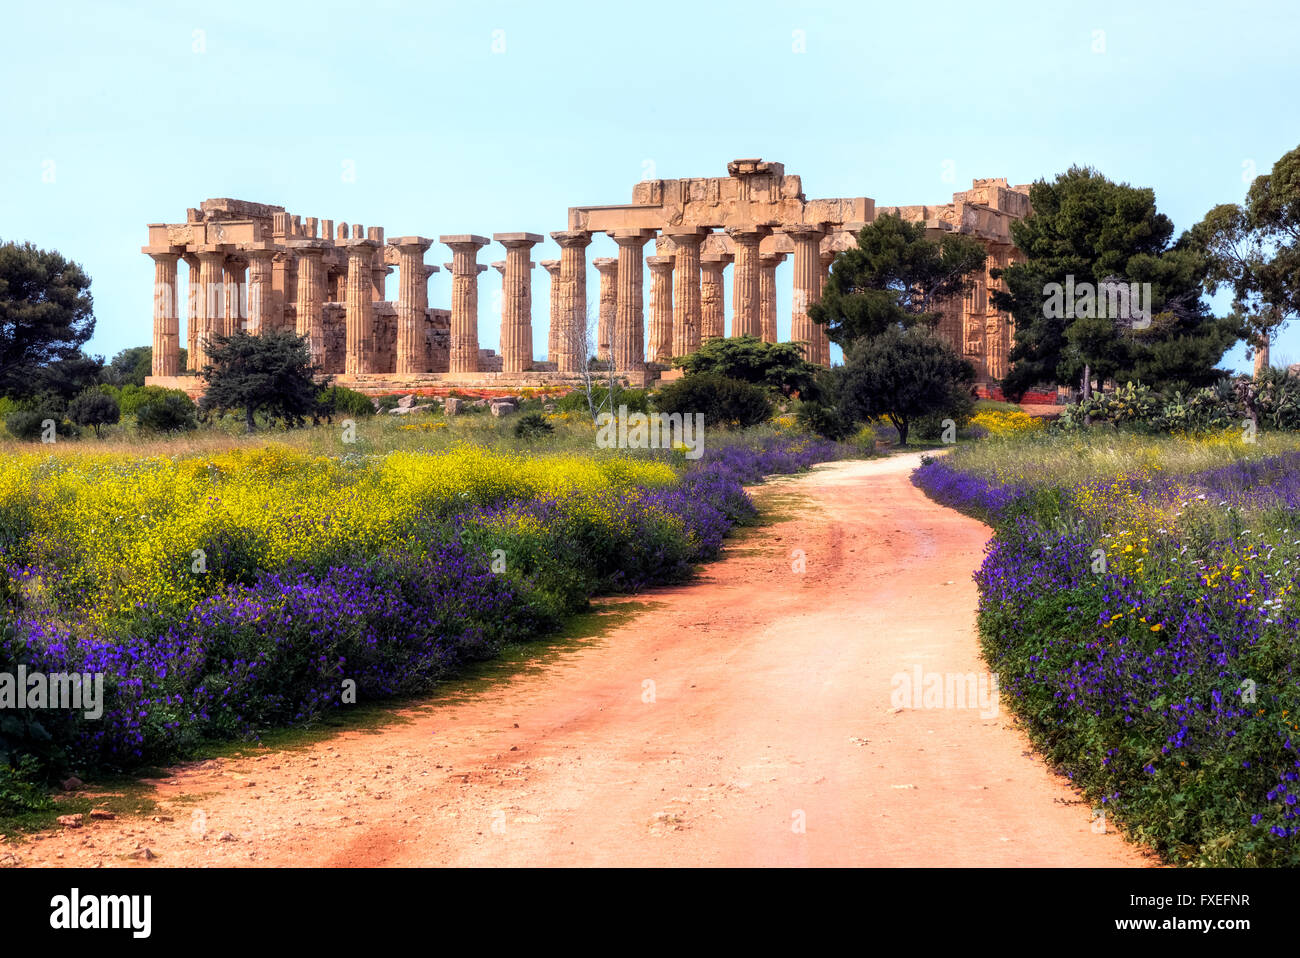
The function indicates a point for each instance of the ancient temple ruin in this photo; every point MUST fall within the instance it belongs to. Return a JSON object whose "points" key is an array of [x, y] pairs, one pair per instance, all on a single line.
{"points": [[256, 267]]}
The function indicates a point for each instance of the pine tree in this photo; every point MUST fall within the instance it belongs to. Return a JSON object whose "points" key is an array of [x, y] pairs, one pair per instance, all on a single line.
{"points": [[270, 373]]}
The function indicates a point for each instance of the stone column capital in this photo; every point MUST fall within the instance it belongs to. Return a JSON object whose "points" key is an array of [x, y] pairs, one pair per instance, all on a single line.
{"points": [[551, 266], [771, 260], [717, 259], [661, 264], [805, 230], [464, 242], [516, 240], [163, 254], [411, 243], [606, 264], [748, 234], [308, 247], [500, 266], [687, 237], [633, 238], [572, 238]]}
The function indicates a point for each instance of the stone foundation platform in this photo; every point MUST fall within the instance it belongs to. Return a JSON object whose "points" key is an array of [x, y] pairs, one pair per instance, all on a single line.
{"points": [[437, 384]]}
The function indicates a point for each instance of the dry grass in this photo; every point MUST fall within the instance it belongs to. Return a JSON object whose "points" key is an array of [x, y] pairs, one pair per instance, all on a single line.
{"points": [[1070, 458]]}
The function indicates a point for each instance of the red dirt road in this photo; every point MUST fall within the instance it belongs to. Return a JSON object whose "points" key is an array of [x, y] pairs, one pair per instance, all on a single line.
{"points": [[743, 719]]}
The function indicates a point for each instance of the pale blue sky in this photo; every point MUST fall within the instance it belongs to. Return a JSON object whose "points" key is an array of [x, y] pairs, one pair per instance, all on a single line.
{"points": [[137, 111]]}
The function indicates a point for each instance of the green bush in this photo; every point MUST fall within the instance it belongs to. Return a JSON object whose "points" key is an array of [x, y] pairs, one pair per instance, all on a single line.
{"points": [[94, 408], [778, 366], [1130, 404], [341, 401], [1205, 410], [131, 397], [826, 420], [9, 405], [172, 412], [1277, 399], [636, 400], [21, 790], [29, 424], [724, 402], [532, 426]]}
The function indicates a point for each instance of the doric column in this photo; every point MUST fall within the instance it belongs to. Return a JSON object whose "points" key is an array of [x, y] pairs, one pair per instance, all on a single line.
{"points": [[210, 301], [1262, 358], [259, 289], [378, 269], [573, 300], [712, 322], [464, 300], [807, 287], [552, 267], [192, 284], [628, 334], [607, 266], [311, 297], [360, 315], [745, 279], [166, 318], [500, 267], [517, 304], [768, 262], [412, 303], [659, 344], [823, 352], [686, 290], [232, 285]]}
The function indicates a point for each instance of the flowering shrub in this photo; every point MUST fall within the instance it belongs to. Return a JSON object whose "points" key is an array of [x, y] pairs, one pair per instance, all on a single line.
{"points": [[1143, 626], [1004, 422], [386, 572]]}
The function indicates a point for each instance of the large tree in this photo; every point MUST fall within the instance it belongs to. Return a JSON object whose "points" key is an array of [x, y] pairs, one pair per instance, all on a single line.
{"points": [[57, 383], [46, 312], [902, 375], [1086, 229], [778, 366], [1254, 250], [895, 277], [270, 373]]}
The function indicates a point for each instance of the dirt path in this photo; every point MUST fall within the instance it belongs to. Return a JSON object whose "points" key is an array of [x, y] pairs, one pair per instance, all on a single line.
{"points": [[744, 719]]}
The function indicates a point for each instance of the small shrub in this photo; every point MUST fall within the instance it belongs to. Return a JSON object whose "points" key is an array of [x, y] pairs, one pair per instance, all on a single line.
{"points": [[532, 426], [21, 790], [826, 420], [29, 424], [174, 412], [131, 397], [339, 400], [724, 402], [636, 400], [1001, 422], [94, 408]]}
